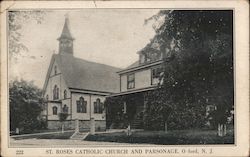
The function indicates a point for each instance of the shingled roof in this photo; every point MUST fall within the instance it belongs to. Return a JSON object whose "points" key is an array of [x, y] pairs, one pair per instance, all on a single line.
{"points": [[86, 75], [133, 65]]}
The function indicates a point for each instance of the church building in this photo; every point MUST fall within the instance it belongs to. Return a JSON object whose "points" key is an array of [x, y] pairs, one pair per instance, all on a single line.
{"points": [[77, 87], [80, 88]]}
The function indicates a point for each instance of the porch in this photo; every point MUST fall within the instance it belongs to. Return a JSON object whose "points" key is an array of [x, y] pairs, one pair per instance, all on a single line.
{"points": [[125, 109]]}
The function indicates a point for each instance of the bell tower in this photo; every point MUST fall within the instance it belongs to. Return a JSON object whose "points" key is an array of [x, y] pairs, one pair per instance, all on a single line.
{"points": [[66, 39]]}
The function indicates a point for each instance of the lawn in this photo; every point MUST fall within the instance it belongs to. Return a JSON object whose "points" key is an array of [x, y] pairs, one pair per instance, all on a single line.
{"points": [[65, 135], [160, 137]]}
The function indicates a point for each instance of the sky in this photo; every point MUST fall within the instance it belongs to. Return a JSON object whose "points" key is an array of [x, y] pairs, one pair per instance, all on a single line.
{"points": [[108, 36]]}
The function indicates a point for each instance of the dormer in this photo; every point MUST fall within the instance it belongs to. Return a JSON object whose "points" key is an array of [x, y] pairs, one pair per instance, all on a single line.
{"points": [[149, 55]]}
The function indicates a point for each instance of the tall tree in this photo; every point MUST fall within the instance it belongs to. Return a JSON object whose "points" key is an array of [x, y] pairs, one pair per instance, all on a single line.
{"points": [[25, 101], [198, 67]]}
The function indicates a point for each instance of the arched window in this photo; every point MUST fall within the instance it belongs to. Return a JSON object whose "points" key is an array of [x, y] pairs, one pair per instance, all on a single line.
{"points": [[65, 94], [65, 109], [55, 93], [55, 70], [98, 106], [54, 110], [81, 105], [47, 97]]}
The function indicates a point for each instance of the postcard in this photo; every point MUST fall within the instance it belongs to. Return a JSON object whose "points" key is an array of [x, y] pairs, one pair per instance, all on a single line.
{"points": [[125, 78]]}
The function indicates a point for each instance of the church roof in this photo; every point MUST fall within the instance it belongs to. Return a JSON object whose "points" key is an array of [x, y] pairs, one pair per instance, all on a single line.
{"points": [[86, 75], [66, 32]]}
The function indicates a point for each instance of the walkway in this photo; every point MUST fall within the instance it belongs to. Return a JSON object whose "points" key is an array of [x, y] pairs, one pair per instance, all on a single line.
{"points": [[58, 143]]}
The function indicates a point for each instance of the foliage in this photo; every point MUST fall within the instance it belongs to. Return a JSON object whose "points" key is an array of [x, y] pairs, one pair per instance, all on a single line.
{"points": [[198, 68], [116, 118], [114, 112], [63, 116], [25, 101], [16, 20]]}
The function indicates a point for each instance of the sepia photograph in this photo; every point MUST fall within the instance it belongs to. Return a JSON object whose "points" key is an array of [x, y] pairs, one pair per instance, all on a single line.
{"points": [[178, 88], [121, 77]]}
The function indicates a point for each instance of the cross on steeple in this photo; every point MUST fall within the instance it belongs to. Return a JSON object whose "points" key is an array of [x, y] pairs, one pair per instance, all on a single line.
{"points": [[66, 39]]}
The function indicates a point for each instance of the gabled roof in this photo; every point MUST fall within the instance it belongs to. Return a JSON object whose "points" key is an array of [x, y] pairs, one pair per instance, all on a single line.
{"points": [[131, 66], [135, 64], [86, 75], [66, 32]]}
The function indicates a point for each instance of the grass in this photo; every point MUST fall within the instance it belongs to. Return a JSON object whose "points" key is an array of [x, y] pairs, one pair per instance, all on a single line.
{"points": [[65, 135], [172, 137]]}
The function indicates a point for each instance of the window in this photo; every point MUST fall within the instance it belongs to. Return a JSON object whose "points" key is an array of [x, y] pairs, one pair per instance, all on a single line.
{"points": [[131, 81], [69, 44], [147, 58], [142, 58], [65, 109], [81, 105], [55, 93], [98, 106], [156, 74], [55, 70], [54, 110], [65, 94], [47, 97]]}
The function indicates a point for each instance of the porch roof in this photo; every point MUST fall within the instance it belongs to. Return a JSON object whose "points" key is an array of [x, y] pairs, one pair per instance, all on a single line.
{"points": [[133, 91]]}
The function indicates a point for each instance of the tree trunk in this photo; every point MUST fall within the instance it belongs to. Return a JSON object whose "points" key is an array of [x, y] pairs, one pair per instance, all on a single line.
{"points": [[222, 130], [219, 130], [225, 129], [166, 127]]}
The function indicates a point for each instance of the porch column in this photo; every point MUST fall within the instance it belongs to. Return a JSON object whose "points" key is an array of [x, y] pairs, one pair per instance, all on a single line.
{"points": [[77, 125], [92, 126], [144, 104], [144, 101], [124, 107]]}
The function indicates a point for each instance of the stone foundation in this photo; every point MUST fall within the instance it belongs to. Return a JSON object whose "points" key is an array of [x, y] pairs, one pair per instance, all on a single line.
{"points": [[100, 125]]}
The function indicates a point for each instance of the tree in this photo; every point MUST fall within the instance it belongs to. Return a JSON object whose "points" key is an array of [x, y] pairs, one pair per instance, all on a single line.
{"points": [[25, 101], [198, 66], [16, 19]]}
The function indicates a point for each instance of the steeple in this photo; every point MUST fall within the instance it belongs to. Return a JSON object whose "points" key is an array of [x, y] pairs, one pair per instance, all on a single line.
{"points": [[66, 39]]}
